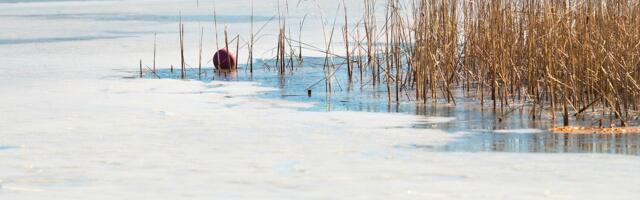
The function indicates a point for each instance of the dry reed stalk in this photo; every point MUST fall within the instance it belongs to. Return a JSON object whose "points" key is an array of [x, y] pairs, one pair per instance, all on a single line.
{"points": [[387, 58], [200, 55], [251, 42], [328, 64], [154, 51], [281, 50], [396, 42], [226, 43], [568, 56], [215, 27], [292, 53], [281, 54], [182, 61], [370, 35], [359, 56], [300, 58], [237, 50], [345, 33]]}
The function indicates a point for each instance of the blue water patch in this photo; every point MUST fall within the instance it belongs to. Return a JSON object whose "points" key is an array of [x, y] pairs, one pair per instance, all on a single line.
{"points": [[6, 147], [33, 1], [56, 39], [150, 17], [545, 142], [295, 86]]}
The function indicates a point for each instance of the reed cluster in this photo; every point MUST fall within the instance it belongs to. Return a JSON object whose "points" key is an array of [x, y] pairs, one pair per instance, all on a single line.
{"points": [[555, 56], [284, 59], [564, 56]]}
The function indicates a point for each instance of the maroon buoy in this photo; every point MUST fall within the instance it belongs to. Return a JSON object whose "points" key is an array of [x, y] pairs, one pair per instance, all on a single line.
{"points": [[223, 59]]}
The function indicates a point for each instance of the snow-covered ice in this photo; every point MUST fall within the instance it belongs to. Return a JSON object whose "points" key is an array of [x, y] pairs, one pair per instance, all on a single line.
{"points": [[72, 128]]}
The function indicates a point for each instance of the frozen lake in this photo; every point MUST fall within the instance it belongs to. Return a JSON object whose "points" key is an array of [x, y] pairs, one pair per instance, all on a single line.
{"points": [[71, 127]]}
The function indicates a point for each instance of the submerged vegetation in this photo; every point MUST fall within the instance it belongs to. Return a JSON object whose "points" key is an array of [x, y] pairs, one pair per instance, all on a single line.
{"points": [[554, 58]]}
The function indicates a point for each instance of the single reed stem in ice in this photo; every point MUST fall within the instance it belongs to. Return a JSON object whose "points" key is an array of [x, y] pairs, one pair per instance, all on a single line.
{"points": [[251, 42], [154, 52], [345, 33], [237, 50], [200, 55], [182, 61]]}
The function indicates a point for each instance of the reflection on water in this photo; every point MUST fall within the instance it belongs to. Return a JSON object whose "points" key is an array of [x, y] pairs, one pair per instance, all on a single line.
{"points": [[548, 143], [477, 124], [539, 142], [517, 133]]}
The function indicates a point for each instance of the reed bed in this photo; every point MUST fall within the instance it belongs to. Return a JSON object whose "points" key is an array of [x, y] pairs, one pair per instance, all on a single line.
{"points": [[557, 57], [562, 56]]}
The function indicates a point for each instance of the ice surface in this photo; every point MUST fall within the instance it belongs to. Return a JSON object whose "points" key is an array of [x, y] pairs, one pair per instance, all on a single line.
{"points": [[81, 131]]}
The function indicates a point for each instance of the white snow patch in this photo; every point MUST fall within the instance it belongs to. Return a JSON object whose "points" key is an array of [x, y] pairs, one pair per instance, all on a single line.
{"points": [[440, 119], [239, 88]]}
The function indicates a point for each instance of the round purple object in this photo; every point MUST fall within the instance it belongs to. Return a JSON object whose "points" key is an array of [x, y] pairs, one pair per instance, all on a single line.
{"points": [[223, 59]]}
